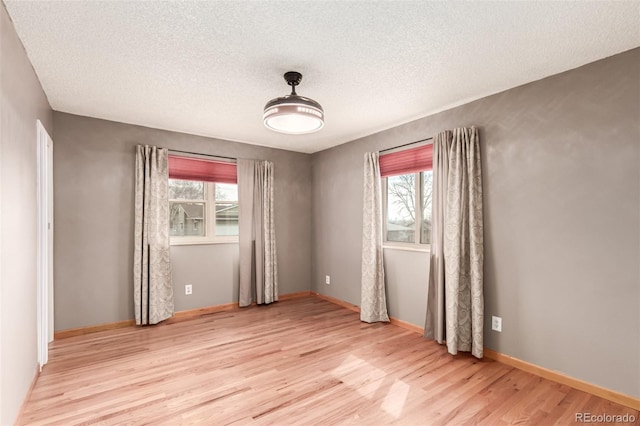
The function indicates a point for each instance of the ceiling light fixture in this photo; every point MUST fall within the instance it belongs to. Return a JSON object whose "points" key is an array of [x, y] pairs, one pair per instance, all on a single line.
{"points": [[293, 114]]}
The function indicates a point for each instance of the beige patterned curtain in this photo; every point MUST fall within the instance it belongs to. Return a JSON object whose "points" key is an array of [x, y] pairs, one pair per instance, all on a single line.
{"points": [[373, 305], [435, 325], [258, 257], [152, 288], [455, 304]]}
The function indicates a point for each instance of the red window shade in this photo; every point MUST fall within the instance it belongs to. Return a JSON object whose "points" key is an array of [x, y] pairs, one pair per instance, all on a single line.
{"points": [[188, 168], [407, 161]]}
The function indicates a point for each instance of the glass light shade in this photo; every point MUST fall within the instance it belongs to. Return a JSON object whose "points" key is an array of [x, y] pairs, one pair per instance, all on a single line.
{"points": [[293, 115]]}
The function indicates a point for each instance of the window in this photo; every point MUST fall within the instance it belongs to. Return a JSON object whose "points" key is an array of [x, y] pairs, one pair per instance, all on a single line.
{"points": [[226, 210], [187, 206], [203, 201], [407, 184], [408, 208], [202, 212]]}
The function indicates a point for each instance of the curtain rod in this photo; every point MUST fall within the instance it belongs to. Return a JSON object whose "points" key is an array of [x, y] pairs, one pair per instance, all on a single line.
{"points": [[406, 144], [205, 155]]}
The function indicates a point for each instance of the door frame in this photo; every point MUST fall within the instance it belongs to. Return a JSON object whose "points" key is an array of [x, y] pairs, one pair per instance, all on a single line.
{"points": [[44, 291]]}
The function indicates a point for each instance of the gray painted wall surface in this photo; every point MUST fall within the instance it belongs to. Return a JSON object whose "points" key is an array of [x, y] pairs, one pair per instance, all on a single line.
{"points": [[94, 189], [561, 165], [214, 282], [23, 102], [402, 267]]}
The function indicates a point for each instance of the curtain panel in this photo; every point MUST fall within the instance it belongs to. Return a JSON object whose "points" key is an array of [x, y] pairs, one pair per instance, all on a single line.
{"points": [[373, 306], [455, 305], [152, 287], [258, 257], [435, 325]]}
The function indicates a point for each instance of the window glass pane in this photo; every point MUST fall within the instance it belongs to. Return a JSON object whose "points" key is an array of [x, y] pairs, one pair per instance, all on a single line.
{"points": [[226, 219], [401, 211], [425, 229], [226, 192], [226, 209], [186, 189], [186, 219]]}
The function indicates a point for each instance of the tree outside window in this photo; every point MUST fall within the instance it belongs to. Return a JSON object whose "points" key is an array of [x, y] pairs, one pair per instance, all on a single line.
{"points": [[408, 208]]}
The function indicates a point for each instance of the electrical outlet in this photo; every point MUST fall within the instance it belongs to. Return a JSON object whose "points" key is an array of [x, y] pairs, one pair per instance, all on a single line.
{"points": [[188, 289], [327, 280], [496, 324]]}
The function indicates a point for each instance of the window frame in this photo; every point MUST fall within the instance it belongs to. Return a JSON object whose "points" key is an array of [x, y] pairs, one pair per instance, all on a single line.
{"points": [[401, 245], [210, 236]]}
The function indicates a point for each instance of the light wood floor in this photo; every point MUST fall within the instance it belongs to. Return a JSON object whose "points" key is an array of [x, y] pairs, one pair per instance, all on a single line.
{"points": [[299, 362]]}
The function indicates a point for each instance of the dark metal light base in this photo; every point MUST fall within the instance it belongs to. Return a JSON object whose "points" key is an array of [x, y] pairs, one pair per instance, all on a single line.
{"points": [[293, 78]]}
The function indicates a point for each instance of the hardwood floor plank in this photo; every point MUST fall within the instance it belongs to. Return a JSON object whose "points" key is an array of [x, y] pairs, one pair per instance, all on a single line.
{"points": [[303, 361]]}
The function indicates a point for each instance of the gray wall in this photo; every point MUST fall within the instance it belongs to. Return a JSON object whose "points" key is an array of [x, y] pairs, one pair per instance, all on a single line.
{"points": [[561, 164], [214, 282], [402, 267], [93, 190], [23, 102]]}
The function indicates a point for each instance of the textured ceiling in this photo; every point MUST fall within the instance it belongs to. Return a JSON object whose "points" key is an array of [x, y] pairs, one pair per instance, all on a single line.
{"points": [[208, 68]]}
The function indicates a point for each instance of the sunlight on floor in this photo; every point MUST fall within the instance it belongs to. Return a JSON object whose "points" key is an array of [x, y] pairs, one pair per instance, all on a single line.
{"points": [[360, 375], [367, 379], [396, 397]]}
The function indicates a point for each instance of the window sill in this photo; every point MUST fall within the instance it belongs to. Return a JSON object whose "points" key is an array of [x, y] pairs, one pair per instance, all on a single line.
{"points": [[423, 249], [200, 243]]}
